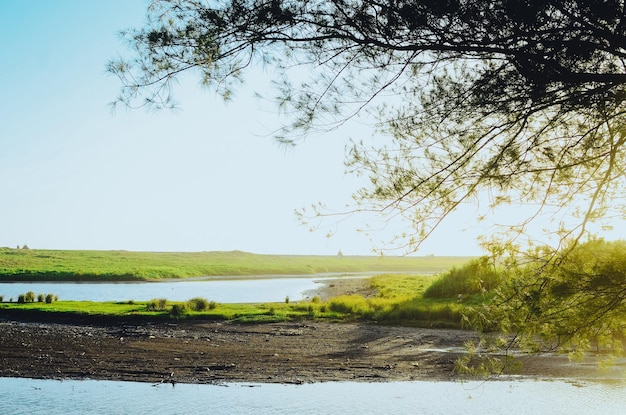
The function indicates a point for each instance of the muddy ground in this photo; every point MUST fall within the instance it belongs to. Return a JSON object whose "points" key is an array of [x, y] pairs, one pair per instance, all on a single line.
{"points": [[216, 352]]}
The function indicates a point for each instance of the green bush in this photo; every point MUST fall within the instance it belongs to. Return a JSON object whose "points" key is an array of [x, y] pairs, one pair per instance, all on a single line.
{"points": [[1, 298], [178, 311], [198, 304], [50, 298], [157, 304], [475, 277], [29, 297], [41, 298]]}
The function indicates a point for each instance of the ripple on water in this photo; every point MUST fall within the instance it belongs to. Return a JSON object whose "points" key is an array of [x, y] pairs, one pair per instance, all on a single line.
{"points": [[27, 396]]}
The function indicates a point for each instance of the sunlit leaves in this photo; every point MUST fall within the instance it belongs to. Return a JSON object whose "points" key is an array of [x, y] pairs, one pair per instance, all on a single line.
{"points": [[574, 299], [523, 101]]}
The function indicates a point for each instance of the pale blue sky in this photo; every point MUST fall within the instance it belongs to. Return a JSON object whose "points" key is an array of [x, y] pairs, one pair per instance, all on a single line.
{"points": [[76, 176]]}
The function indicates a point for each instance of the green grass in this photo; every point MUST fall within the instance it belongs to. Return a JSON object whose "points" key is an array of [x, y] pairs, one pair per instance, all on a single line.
{"points": [[471, 279], [237, 312], [53, 265], [400, 300]]}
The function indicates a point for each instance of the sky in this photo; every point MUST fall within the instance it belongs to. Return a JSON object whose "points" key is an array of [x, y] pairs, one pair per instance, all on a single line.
{"points": [[209, 177]]}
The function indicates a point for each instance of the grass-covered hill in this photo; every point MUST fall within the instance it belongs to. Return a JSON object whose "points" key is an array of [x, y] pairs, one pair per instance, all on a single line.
{"points": [[59, 265]]}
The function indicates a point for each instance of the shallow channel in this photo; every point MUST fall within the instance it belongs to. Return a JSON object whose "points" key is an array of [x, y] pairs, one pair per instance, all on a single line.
{"points": [[252, 290]]}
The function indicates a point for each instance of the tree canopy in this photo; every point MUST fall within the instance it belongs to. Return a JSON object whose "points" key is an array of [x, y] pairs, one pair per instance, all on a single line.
{"points": [[519, 100]]}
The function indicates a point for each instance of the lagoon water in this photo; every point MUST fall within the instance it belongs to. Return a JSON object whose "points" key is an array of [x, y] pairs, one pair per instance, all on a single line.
{"points": [[28, 396], [254, 290]]}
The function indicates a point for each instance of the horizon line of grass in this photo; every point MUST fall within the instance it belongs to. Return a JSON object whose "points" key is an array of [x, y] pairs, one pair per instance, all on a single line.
{"points": [[66, 265]]}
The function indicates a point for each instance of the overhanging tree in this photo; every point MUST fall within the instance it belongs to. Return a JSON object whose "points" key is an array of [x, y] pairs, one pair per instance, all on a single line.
{"points": [[521, 100]]}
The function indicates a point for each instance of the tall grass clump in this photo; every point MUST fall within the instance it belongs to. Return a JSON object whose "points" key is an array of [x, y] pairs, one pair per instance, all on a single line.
{"points": [[29, 297], [476, 277], [348, 304], [201, 304], [178, 311], [157, 304]]}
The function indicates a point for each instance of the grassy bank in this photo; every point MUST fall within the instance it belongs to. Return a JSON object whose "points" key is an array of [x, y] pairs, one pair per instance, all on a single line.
{"points": [[56, 265], [399, 300]]}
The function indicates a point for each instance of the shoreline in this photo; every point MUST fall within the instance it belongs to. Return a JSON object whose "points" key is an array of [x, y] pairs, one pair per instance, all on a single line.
{"points": [[214, 352], [209, 352]]}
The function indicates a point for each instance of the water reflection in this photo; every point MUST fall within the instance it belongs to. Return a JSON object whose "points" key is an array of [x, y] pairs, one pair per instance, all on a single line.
{"points": [[27, 396], [223, 291]]}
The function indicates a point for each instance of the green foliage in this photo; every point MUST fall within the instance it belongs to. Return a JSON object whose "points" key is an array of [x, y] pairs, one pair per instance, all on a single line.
{"points": [[50, 298], [476, 277], [349, 304], [178, 311], [198, 304], [29, 297], [574, 299], [400, 285], [476, 96], [159, 304], [41, 298]]}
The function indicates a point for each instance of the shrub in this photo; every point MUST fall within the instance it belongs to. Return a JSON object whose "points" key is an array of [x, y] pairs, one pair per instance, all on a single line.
{"points": [[287, 300], [50, 298], [316, 299], [41, 298], [212, 305], [29, 297], [1, 298], [178, 310], [155, 304], [198, 304]]}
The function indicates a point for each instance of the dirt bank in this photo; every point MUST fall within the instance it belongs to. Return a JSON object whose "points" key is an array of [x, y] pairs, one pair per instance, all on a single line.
{"points": [[214, 352]]}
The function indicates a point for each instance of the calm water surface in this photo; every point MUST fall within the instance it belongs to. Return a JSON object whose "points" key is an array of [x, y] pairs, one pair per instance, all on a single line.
{"points": [[27, 396], [223, 291]]}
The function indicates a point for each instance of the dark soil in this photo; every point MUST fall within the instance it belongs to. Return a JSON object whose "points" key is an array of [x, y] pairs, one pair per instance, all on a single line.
{"points": [[216, 352], [76, 347]]}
